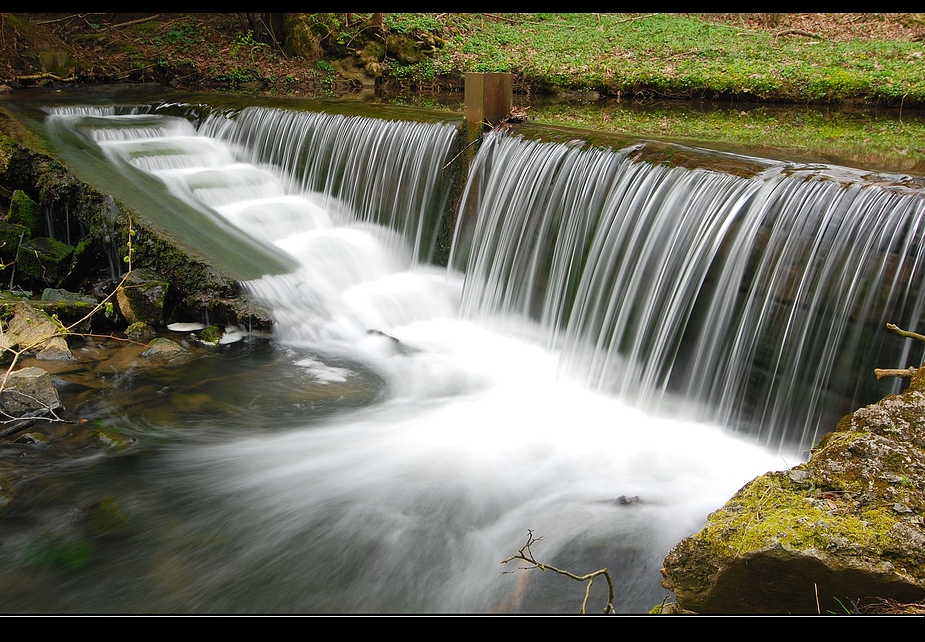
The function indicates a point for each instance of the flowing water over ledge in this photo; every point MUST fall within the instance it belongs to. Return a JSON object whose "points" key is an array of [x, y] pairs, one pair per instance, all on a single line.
{"points": [[408, 424]]}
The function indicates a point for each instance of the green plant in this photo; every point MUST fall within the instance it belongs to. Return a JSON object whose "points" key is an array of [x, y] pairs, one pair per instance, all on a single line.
{"points": [[248, 43], [325, 72], [411, 23]]}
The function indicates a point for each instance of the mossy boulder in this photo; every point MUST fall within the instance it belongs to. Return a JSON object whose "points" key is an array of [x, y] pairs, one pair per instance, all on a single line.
{"points": [[25, 211], [211, 335], [302, 36], [141, 297], [11, 236], [847, 525], [404, 48], [44, 259], [140, 332], [75, 310], [58, 63]]}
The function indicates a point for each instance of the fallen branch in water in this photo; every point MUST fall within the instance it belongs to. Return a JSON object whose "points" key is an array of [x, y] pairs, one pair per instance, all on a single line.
{"points": [[526, 554]]}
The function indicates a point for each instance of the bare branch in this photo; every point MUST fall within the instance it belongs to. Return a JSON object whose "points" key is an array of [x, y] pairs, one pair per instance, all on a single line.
{"points": [[138, 21], [905, 333], [895, 372], [526, 554]]}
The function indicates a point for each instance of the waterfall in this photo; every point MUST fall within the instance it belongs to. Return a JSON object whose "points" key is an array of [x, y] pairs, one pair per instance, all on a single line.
{"points": [[408, 423], [760, 301], [386, 172]]}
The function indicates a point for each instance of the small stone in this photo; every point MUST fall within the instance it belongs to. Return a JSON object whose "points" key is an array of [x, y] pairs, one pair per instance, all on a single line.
{"points": [[798, 475], [211, 335]]}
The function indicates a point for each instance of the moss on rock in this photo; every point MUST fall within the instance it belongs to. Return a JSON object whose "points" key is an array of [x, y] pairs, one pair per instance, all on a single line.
{"points": [[11, 236], [142, 295], [25, 212], [211, 335], [848, 524], [45, 259]]}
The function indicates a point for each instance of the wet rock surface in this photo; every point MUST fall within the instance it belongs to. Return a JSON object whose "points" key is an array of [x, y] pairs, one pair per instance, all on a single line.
{"points": [[844, 528]]}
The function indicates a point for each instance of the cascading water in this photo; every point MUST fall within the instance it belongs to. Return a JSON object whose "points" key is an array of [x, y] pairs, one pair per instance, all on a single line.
{"points": [[761, 301], [448, 429]]}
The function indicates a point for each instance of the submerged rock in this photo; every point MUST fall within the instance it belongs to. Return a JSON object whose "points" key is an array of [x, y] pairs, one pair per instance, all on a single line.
{"points": [[847, 525], [164, 348], [140, 332]]}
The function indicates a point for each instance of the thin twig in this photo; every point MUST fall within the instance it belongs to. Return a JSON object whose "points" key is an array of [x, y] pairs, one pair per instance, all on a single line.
{"points": [[526, 554], [461, 152], [905, 333], [798, 32]]}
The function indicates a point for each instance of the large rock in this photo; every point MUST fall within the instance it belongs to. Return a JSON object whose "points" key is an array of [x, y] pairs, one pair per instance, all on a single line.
{"points": [[141, 297], [31, 328], [45, 259], [847, 525], [26, 213], [29, 392]]}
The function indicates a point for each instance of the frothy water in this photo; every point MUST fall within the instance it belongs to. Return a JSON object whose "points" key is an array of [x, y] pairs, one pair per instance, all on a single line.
{"points": [[404, 501]]}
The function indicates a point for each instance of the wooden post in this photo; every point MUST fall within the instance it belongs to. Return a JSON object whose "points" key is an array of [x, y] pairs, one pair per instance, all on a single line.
{"points": [[489, 97]]}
